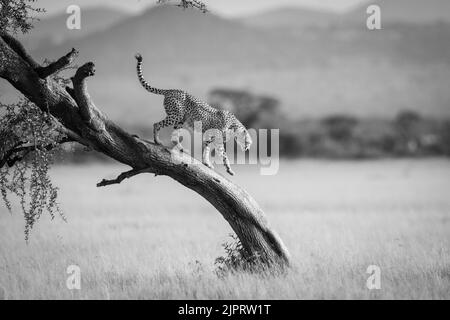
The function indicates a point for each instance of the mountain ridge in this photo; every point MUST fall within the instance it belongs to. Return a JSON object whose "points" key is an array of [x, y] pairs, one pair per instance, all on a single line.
{"points": [[392, 12], [52, 31], [336, 70]]}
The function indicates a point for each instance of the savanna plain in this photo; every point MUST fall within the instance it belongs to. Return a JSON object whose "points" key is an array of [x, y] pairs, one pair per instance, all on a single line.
{"points": [[151, 238]]}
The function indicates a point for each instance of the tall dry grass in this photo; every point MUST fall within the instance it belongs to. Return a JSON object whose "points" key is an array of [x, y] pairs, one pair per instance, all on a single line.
{"points": [[150, 238]]}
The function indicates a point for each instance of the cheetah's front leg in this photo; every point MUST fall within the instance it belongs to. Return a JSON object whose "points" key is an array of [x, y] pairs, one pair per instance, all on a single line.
{"points": [[158, 126], [226, 162], [206, 153]]}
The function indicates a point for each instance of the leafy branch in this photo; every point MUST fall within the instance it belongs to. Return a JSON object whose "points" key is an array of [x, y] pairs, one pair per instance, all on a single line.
{"points": [[188, 4]]}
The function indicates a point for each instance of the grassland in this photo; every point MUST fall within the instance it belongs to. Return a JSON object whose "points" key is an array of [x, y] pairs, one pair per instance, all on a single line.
{"points": [[150, 238]]}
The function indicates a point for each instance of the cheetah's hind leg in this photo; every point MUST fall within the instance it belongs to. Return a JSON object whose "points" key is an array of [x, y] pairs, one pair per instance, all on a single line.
{"points": [[168, 121]]}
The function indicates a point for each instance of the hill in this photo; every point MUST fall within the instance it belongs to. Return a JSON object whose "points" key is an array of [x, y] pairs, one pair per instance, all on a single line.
{"points": [[343, 69], [404, 11], [52, 31], [293, 19]]}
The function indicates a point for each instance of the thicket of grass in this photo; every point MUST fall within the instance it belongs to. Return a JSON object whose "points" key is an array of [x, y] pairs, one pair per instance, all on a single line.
{"points": [[150, 238]]}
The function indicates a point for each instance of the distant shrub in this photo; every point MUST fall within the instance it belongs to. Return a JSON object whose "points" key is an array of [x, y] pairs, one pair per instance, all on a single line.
{"points": [[254, 111], [339, 135], [340, 127], [291, 145], [336, 136], [445, 138], [407, 120]]}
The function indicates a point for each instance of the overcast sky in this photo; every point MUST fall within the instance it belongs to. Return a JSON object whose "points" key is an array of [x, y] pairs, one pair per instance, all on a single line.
{"points": [[223, 7]]}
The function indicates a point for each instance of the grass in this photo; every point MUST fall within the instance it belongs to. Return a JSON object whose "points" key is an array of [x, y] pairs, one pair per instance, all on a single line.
{"points": [[150, 238]]}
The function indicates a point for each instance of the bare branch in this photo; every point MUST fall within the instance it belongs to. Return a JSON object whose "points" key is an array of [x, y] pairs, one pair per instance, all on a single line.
{"points": [[121, 177], [188, 4], [43, 72], [58, 65], [88, 110]]}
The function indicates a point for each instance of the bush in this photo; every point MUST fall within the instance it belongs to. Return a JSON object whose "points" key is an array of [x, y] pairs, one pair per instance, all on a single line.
{"points": [[26, 173], [236, 259], [340, 127]]}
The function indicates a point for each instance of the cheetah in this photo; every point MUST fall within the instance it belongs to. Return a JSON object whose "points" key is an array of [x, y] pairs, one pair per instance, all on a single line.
{"points": [[182, 108]]}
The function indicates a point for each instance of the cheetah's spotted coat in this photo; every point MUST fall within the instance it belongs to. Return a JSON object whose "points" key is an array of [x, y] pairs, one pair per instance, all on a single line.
{"points": [[182, 108]]}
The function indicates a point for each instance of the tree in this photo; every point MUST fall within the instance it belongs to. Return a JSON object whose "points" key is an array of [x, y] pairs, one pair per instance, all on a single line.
{"points": [[64, 114], [407, 124], [16, 15], [340, 127]]}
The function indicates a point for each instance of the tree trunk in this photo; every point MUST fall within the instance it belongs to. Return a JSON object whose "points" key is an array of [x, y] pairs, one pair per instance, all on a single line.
{"points": [[82, 121]]}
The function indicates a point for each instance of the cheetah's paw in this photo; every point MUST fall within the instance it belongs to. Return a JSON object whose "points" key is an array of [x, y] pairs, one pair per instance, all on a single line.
{"points": [[178, 148], [230, 172], [209, 165]]}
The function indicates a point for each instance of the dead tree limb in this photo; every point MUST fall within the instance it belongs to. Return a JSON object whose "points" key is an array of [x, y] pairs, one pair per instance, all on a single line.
{"points": [[78, 115], [58, 65], [89, 112], [120, 177]]}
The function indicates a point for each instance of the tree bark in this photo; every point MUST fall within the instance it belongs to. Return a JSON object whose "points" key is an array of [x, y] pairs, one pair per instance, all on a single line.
{"points": [[83, 122]]}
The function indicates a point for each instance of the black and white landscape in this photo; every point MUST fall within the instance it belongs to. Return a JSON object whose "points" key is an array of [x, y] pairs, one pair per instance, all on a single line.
{"points": [[364, 120]]}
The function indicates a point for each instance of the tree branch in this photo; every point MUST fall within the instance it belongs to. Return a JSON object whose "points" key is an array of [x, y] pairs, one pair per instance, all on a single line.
{"points": [[11, 157], [121, 177], [188, 4], [89, 112], [58, 65], [70, 134], [17, 47], [80, 117], [43, 72]]}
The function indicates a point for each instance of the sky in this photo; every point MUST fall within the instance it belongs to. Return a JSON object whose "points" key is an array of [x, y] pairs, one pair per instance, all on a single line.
{"points": [[230, 8]]}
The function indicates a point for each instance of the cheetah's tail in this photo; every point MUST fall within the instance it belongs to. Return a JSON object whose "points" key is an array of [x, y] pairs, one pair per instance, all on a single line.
{"points": [[141, 78]]}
